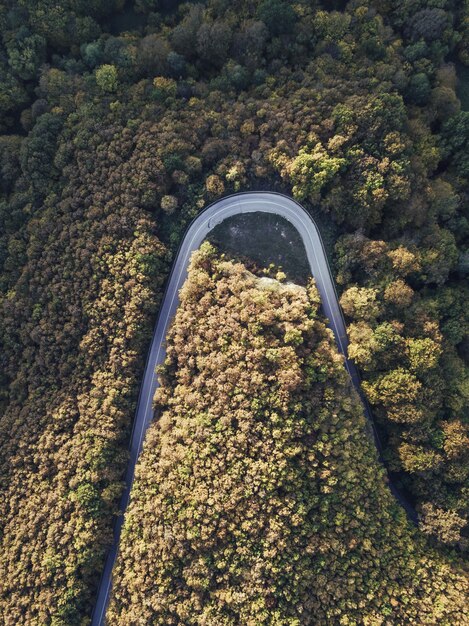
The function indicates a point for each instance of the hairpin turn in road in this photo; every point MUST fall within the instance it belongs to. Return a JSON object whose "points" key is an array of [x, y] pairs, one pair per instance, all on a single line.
{"points": [[250, 202]]}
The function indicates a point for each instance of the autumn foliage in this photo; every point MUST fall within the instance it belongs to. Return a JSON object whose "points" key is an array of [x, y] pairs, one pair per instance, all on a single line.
{"points": [[119, 122], [258, 498]]}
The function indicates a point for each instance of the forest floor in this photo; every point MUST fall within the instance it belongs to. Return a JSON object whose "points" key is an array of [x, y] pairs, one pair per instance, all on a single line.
{"points": [[268, 239]]}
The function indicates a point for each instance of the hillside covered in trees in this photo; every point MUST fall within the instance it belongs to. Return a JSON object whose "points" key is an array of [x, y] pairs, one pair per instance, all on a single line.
{"points": [[119, 123], [258, 497]]}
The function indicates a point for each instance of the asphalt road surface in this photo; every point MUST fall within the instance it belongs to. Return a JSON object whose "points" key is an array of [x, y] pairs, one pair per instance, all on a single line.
{"points": [[265, 202]]}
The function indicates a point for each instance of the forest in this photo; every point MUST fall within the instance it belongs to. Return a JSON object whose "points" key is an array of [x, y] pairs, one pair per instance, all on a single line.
{"points": [[258, 498], [119, 122]]}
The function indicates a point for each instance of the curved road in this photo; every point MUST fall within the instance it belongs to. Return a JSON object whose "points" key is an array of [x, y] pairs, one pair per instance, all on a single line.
{"points": [[265, 202]]}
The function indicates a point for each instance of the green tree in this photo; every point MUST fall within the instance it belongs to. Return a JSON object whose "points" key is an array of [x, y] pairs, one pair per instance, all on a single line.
{"points": [[106, 78], [312, 169], [360, 303], [152, 56], [277, 15], [396, 391], [423, 353], [419, 89], [455, 137], [213, 43], [26, 53]]}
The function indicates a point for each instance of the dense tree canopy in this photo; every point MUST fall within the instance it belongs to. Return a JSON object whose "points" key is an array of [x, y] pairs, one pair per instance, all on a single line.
{"points": [[120, 123], [258, 498]]}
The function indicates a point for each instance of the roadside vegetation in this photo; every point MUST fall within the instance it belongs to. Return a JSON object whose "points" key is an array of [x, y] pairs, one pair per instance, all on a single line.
{"points": [[258, 498], [114, 132]]}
